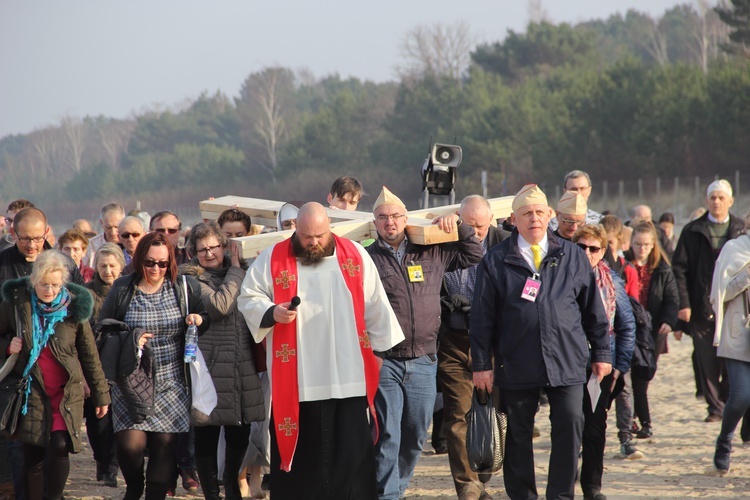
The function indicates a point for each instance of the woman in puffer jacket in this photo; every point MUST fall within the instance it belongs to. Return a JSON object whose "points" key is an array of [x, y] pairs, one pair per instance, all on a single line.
{"points": [[57, 352], [227, 348]]}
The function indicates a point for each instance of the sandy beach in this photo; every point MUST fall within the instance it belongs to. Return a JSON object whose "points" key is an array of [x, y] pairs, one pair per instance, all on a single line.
{"points": [[675, 464]]}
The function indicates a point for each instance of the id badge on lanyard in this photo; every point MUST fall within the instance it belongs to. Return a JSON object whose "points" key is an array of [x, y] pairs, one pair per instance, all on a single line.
{"points": [[416, 275], [531, 288]]}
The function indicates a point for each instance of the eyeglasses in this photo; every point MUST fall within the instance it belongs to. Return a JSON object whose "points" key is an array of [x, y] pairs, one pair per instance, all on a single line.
{"points": [[394, 217], [170, 230], [50, 287], [207, 250], [25, 240], [569, 222], [126, 236], [590, 248], [151, 263]]}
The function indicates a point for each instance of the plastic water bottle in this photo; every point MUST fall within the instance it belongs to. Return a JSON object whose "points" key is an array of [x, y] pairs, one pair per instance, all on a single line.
{"points": [[191, 343]]}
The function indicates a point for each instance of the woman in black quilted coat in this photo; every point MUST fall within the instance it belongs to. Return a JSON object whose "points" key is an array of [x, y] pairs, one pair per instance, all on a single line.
{"points": [[227, 348]]}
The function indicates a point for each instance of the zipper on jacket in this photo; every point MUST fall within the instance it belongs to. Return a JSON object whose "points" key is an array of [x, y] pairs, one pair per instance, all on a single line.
{"points": [[404, 274]]}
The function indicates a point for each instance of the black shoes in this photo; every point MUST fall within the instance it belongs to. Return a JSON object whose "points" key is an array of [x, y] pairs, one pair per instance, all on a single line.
{"points": [[721, 457], [645, 432]]}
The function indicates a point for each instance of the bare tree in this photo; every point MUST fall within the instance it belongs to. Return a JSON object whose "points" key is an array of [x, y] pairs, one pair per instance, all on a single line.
{"points": [[438, 50], [74, 132], [537, 12], [708, 33], [655, 43], [114, 137], [263, 108]]}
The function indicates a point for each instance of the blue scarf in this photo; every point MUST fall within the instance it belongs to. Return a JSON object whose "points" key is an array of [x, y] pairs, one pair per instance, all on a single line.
{"points": [[44, 317]]}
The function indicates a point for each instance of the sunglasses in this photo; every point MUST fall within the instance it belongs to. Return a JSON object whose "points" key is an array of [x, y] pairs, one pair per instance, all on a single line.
{"points": [[125, 236], [170, 230], [151, 263], [590, 248]]}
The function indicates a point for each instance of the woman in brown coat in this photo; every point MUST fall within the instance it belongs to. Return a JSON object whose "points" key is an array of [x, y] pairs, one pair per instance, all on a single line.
{"points": [[57, 350]]}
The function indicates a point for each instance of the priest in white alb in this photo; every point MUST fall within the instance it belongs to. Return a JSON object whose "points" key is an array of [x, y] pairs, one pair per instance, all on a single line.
{"points": [[322, 358]]}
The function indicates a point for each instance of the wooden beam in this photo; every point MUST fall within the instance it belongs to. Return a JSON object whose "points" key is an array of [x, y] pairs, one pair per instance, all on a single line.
{"points": [[357, 226]]}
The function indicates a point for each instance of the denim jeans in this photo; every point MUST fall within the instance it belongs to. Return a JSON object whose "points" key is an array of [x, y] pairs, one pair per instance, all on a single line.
{"points": [[624, 410], [738, 402], [404, 404]]}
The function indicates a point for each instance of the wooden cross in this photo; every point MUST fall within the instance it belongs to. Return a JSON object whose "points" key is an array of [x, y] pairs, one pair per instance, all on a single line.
{"points": [[285, 278], [288, 426], [355, 225], [350, 267], [285, 352]]}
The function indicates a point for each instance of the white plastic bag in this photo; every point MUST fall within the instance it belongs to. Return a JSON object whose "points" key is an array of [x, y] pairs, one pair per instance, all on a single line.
{"points": [[203, 391]]}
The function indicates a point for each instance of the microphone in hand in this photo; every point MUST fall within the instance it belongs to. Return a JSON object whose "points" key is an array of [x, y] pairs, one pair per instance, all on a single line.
{"points": [[294, 303]]}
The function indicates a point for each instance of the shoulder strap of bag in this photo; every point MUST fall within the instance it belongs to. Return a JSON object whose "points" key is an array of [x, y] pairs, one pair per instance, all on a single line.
{"points": [[10, 362], [185, 290]]}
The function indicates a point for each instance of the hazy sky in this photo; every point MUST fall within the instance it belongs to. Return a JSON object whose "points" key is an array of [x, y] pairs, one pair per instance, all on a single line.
{"points": [[113, 58]]}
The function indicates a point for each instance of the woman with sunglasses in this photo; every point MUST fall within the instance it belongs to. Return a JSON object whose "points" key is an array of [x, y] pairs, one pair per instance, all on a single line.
{"points": [[58, 353], [592, 239], [657, 292], [227, 347], [152, 302]]}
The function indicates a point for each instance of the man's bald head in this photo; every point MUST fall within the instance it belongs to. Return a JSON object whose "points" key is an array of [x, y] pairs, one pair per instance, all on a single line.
{"points": [[313, 213], [312, 241], [31, 214], [476, 212], [642, 212]]}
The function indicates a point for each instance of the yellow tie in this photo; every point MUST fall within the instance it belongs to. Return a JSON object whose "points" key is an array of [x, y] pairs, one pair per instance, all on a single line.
{"points": [[537, 251]]}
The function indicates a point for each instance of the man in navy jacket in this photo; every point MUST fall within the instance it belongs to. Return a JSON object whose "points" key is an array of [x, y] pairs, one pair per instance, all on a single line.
{"points": [[537, 308]]}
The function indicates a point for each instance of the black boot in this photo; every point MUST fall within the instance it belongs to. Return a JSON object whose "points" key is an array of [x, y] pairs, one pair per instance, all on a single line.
{"points": [[208, 473], [232, 463], [438, 433]]}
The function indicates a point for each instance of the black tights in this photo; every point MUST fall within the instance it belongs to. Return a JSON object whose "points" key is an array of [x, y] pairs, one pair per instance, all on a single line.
{"points": [[47, 468], [131, 445]]}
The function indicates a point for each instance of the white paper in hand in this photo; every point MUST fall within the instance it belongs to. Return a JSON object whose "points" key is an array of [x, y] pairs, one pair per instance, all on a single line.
{"points": [[595, 390]]}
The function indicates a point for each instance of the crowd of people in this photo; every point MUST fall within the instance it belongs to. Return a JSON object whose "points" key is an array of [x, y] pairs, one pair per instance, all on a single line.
{"points": [[329, 359]]}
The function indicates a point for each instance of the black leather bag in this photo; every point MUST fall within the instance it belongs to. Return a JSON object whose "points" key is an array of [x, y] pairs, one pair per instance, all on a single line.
{"points": [[12, 390]]}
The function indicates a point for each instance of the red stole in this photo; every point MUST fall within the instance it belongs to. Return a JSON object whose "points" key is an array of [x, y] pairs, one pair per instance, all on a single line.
{"points": [[284, 385]]}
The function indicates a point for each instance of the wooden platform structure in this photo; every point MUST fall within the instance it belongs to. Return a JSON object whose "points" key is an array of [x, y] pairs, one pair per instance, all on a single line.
{"points": [[357, 226]]}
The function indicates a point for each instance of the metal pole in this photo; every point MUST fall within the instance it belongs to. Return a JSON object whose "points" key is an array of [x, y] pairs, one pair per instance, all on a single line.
{"points": [[677, 204], [640, 190], [658, 195], [736, 183]]}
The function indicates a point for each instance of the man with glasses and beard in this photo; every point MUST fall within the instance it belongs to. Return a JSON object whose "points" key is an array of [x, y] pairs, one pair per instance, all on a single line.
{"points": [[321, 357]]}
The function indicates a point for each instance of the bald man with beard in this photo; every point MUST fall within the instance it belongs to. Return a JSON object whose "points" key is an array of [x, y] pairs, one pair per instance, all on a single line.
{"points": [[321, 357]]}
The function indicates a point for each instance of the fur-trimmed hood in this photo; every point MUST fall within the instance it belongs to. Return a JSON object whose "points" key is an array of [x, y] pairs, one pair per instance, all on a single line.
{"points": [[191, 269], [81, 303]]}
